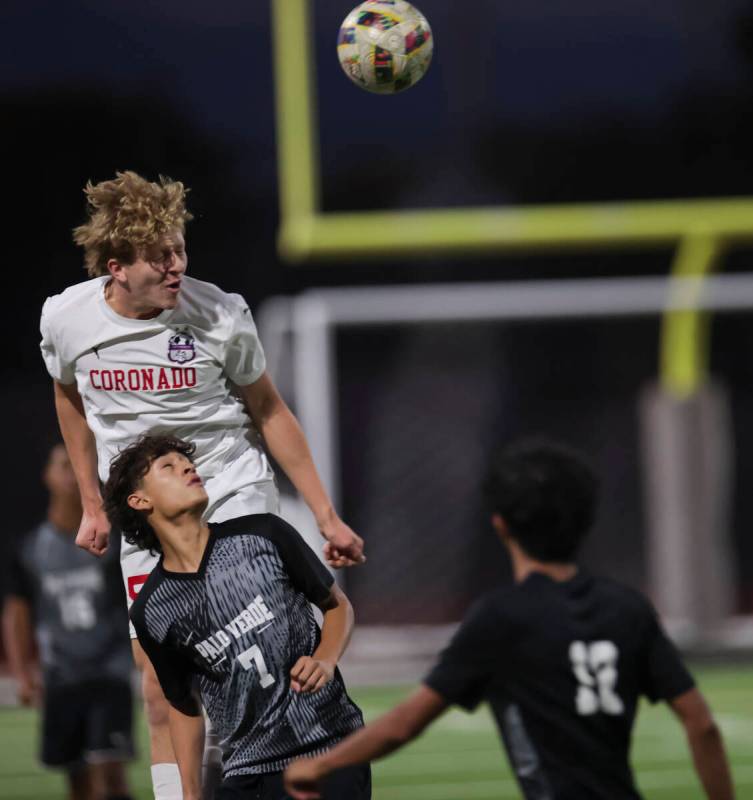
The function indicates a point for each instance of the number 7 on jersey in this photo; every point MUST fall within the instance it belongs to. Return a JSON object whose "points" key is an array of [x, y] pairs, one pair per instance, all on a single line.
{"points": [[253, 657]]}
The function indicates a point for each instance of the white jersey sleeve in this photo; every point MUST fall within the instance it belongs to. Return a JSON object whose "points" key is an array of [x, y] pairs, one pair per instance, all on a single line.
{"points": [[58, 366], [244, 355]]}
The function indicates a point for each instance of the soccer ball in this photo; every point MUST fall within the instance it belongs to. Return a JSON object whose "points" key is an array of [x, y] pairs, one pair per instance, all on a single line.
{"points": [[385, 46]]}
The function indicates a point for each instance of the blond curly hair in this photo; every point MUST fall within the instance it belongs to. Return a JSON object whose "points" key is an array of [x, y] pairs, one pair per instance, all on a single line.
{"points": [[127, 215]]}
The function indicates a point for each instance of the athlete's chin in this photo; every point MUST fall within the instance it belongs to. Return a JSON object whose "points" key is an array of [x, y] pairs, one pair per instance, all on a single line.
{"points": [[169, 302], [201, 500]]}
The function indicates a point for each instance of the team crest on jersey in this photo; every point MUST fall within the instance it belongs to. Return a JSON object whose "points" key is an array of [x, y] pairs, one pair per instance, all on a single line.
{"points": [[181, 347]]}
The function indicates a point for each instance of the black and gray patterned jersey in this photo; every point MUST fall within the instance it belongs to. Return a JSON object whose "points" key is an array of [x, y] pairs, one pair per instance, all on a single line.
{"points": [[562, 665], [79, 615], [235, 628]]}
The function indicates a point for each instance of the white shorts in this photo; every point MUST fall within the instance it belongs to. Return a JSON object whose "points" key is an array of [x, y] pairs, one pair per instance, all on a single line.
{"points": [[253, 498]]}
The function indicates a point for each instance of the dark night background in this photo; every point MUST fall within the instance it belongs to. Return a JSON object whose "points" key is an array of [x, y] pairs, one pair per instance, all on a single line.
{"points": [[525, 103]]}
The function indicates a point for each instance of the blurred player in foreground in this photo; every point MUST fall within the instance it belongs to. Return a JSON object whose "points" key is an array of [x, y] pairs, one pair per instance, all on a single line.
{"points": [[76, 605], [227, 608], [142, 347], [562, 657]]}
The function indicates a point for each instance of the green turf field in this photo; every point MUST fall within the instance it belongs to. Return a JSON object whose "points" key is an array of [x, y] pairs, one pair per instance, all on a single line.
{"points": [[460, 757]]}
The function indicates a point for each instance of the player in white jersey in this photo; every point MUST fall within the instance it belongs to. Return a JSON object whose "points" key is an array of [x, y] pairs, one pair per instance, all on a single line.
{"points": [[142, 347]]}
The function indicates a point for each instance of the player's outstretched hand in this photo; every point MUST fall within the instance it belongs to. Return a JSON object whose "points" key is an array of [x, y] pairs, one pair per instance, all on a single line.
{"points": [[344, 547], [302, 779], [309, 674], [94, 532]]}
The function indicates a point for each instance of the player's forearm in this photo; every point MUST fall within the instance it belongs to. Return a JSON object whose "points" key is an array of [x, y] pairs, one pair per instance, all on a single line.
{"points": [[80, 444], [18, 638], [287, 444], [711, 763], [390, 732], [187, 735], [378, 739], [337, 627]]}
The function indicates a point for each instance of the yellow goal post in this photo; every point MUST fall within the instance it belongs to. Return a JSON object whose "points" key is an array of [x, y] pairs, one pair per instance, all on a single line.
{"points": [[699, 229]]}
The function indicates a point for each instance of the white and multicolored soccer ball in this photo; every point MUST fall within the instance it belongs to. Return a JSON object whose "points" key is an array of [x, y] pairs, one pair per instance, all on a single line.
{"points": [[385, 46]]}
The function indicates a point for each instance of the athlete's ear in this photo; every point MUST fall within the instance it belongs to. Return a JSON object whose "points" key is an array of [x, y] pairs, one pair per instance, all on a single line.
{"points": [[116, 270], [139, 502]]}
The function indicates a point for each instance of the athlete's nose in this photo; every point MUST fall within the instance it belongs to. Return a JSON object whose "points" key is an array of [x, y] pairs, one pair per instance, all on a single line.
{"points": [[176, 264], [173, 265]]}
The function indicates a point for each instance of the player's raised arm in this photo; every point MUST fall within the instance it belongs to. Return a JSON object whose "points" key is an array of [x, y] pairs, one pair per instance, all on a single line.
{"points": [[706, 744], [287, 443], [94, 530], [390, 732]]}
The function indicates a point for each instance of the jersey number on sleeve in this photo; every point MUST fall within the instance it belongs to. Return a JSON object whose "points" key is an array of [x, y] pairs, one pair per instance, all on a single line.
{"points": [[595, 667], [253, 657]]}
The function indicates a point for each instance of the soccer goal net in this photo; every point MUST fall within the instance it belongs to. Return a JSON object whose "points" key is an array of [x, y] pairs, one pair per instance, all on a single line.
{"points": [[404, 393]]}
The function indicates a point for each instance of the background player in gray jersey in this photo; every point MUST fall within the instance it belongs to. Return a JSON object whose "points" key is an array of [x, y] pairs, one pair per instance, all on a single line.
{"points": [[73, 606], [227, 608], [561, 657]]}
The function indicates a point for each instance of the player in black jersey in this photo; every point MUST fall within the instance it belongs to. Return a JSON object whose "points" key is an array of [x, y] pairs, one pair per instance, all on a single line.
{"points": [[227, 612], [562, 657]]}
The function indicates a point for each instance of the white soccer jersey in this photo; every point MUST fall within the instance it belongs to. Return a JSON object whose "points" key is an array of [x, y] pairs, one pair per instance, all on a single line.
{"points": [[172, 374]]}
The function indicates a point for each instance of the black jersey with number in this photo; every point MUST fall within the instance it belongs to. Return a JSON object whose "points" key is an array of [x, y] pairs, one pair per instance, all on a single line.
{"points": [[236, 627], [562, 665]]}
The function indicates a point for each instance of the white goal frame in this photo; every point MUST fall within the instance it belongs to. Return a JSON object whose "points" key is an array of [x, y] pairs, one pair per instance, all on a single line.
{"points": [[305, 325], [299, 332]]}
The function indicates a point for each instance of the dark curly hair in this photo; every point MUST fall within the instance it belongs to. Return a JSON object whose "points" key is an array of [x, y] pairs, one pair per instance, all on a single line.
{"points": [[126, 471], [546, 494]]}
